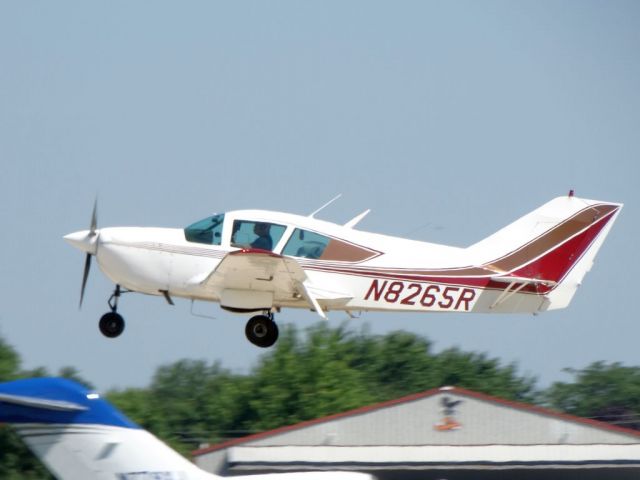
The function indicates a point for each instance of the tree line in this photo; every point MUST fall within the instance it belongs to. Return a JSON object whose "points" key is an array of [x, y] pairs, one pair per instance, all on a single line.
{"points": [[319, 372]]}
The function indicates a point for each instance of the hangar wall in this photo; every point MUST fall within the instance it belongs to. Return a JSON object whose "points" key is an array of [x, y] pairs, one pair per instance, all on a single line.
{"points": [[441, 417]]}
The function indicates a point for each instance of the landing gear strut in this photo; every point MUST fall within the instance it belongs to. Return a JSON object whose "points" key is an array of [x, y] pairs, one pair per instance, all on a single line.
{"points": [[261, 330], [111, 323]]}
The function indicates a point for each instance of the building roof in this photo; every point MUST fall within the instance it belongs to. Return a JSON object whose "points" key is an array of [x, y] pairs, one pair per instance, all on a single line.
{"points": [[524, 407]]}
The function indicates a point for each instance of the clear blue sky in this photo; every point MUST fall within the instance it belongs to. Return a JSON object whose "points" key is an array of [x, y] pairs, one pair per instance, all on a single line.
{"points": [[448, 119]]}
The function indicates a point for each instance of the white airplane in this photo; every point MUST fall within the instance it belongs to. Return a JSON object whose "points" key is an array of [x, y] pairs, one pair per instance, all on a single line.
{"points": [[255, 261], [79, 436]]}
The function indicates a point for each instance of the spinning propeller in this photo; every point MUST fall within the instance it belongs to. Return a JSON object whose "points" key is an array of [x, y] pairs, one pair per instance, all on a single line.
{"points": [[87, 241]]}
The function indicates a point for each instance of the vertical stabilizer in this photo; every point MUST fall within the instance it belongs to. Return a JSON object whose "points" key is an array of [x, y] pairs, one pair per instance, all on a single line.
{"points": [[583, 260], [541, 258]]}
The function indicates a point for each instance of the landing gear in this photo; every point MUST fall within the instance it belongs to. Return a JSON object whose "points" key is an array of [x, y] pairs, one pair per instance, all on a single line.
{"points": [[111, 323], [261, 330]]}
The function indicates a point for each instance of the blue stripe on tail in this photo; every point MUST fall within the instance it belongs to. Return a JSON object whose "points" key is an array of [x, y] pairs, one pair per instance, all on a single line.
{"points": [[43, 400]]}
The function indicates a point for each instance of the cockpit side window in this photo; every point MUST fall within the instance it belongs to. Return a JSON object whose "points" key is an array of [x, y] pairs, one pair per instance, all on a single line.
{"points": [[306, 244], [207, 231], [260, 235]]}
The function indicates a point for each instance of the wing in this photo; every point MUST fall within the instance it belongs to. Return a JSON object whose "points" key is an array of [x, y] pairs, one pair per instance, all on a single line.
{"points": [[515, 284], [253, 279]]}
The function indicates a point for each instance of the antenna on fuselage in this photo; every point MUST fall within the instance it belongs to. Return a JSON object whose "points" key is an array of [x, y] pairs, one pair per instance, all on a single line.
{"points": [[355, 220], [326, 205]]}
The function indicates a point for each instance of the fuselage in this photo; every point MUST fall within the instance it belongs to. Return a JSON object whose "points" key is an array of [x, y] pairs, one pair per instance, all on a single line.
{"points": [[360, 271]]}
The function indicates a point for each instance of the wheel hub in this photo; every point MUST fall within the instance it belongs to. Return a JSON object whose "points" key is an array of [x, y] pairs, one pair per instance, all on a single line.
{"points": [[260, 330]]}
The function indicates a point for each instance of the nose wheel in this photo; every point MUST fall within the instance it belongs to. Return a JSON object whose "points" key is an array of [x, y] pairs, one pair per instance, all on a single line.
{"points": [[262, 331], [111, 323]]}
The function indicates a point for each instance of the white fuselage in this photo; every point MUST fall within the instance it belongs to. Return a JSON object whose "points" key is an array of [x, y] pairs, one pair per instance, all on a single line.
{"points": [[549, 250], [153, 260]]}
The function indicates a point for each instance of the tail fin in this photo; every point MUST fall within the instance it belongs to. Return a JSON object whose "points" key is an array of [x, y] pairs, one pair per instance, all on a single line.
{"points": [[79, 436], [550, 250]]}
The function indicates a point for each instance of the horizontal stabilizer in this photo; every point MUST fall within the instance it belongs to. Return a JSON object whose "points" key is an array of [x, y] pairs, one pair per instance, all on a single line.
{"points": [[35, 402], [515, 284], [56, 401], [525, 280]]}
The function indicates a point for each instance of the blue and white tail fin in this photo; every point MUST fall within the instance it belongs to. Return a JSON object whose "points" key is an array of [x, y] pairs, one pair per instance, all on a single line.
{"points": [[79, 436]]}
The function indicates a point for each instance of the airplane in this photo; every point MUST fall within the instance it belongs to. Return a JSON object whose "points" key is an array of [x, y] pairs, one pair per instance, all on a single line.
{"points": [[258, 262], [78, 436]]}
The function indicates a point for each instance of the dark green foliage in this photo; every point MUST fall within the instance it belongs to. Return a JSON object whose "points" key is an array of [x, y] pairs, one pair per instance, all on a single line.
{"points": [[305, 379], [16, 462], [188, 403], [475, 371], [9, 362], [606, 392]]}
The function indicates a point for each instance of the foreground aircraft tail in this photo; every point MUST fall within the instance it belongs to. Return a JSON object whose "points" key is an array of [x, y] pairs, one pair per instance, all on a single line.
{"points": [[549, 251], [79, 436]]}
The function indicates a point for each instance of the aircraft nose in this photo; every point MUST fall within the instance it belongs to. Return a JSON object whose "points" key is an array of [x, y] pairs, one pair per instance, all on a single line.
{"points": [[83, 240]]}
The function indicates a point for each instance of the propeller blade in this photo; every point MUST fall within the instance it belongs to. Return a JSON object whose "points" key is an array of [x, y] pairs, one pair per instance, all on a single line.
{"points": [[87, 243], [94, 219], [85, 276]]}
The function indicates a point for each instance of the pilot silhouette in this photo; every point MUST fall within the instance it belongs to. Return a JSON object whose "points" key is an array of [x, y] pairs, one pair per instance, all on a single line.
{"points": [[264, 241]]}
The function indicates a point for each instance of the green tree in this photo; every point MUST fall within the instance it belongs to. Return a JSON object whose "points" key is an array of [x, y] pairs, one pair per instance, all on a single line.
{"points": [[304, 379], [16, 462], [606, 392], [396, 364], [476, 371], [401, 363], [188, 403], [9, 362], [136, 402]]}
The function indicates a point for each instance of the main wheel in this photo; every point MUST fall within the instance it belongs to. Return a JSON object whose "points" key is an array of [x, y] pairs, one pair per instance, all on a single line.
{"points": [[111, 324], [261, 331]]}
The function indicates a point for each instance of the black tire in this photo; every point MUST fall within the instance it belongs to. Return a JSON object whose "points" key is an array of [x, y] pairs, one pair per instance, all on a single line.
{"points": [[261, 331], [111, 325]]}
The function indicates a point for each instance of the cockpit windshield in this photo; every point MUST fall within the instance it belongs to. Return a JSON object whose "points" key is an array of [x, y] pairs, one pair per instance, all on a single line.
{"points": [[208, 230]]}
